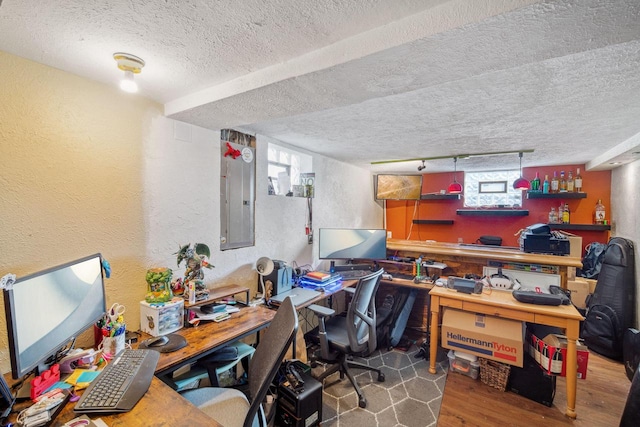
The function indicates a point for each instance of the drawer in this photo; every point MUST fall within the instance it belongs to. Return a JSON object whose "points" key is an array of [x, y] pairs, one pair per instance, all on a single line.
{"points": [[507, 313]]}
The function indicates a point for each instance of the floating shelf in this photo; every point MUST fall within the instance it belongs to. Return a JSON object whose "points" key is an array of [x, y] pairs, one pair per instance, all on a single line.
{"points": [[531, 195], [439, 197], [492, 212], [433, 221], [583, 227]]}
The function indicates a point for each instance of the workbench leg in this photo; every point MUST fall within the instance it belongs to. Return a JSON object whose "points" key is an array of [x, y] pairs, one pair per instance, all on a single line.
{"points": [[435, 321], [573, 331]]}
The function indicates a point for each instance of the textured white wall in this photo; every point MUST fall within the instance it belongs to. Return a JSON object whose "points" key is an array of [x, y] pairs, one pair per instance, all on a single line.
{"points": [[625, 205], [85, 168], [182, 164]]}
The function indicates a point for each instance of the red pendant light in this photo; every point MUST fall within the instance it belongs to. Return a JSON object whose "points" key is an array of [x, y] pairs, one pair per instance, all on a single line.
{"points": [[454, 187], [521, 183]]}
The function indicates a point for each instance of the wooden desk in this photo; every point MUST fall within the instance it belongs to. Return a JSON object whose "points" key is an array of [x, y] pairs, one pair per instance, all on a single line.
{"points": [[161, 405], [208, 337], [502, 304]]}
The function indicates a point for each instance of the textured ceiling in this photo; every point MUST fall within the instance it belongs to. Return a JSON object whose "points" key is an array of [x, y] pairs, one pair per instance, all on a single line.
{"points": [[369, 80]]}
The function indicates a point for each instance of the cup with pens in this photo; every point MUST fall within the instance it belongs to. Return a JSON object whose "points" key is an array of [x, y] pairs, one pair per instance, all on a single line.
{"points": [[112, 330]]}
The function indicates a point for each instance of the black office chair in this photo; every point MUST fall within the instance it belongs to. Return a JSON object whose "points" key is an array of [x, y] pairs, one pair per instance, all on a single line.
{"points": [[230, 407], [341, 337]]}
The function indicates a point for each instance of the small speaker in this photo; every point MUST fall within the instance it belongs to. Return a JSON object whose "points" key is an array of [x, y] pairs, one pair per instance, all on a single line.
{"points": [[467, 286]]}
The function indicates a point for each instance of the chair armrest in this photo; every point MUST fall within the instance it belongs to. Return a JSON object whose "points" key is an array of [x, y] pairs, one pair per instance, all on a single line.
{"points": [[350, 290], [321, 311]]}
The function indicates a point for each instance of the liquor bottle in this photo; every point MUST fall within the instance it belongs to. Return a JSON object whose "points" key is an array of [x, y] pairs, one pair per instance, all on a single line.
{"points": [[563, 183], [578, 181], [545, 185], [553, 216], [555, 183], [566, 214], [571, 187], [598, 213], [535, 184]]}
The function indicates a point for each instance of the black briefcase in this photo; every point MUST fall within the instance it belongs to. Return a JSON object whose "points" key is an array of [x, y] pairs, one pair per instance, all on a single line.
{"points": [[532, 382]]}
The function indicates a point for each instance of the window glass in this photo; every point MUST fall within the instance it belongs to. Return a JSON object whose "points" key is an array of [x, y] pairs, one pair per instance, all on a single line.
{"points": [[491, 188], [285, 167]]}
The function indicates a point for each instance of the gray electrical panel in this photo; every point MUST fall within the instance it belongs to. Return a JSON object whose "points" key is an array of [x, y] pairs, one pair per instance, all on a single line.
{"points": [[237, 196]]}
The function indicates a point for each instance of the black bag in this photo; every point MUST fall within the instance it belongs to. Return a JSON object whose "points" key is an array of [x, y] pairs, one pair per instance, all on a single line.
{"points": [[631, 351], [592, 261], [610, 309], [599, 331]]}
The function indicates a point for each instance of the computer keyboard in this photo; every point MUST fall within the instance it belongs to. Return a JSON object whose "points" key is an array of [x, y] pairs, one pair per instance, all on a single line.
{"points": [[353, 274], [121, 383]]}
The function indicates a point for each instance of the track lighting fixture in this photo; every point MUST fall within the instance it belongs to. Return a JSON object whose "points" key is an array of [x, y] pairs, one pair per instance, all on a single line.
{"points": [[131, 65], [521, 183], [421, 167]]}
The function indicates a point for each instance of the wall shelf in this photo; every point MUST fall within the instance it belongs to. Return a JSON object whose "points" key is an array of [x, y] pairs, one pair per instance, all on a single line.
{"points": [[580, 227], [534, 195], [439, 197], [433, 221], [492, 212]]}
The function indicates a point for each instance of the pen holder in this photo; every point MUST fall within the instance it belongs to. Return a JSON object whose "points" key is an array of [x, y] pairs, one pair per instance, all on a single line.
{"points": [[113, 345]]}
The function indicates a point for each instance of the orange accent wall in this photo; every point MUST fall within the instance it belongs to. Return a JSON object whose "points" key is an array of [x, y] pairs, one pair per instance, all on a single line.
{"points": [[400, 214]]}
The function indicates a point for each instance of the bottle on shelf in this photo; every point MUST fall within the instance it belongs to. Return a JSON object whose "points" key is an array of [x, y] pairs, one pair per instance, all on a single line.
{"points": [[578, 181], [535, 184], [566, 214], [598, 213], [545, 185], [553, 216], [571, 187], [563, 183], [555, 183]]}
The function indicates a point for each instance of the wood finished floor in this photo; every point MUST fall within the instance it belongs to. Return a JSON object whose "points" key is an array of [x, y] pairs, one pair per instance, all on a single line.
{"points": [[600, 401]]}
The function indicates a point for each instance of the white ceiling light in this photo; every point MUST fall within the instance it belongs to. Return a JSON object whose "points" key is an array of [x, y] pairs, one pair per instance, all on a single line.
{"points": [[131, 65]]}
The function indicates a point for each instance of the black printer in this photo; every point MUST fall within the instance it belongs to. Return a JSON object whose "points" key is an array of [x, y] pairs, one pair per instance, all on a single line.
{"points": [[539, 238]]}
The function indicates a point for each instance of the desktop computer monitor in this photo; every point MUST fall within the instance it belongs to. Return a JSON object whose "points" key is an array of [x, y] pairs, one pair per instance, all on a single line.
{"points": [[45, 311], [350, 244]]}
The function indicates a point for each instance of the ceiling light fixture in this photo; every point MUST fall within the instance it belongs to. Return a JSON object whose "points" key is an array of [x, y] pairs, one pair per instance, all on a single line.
{"points": [[131, 65], [421, 167], [521, 183], [454, 187]]}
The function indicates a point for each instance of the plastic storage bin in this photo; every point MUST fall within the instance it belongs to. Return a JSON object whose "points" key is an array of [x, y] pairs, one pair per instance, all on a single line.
{"points": [[161, 319], [464, 363]]}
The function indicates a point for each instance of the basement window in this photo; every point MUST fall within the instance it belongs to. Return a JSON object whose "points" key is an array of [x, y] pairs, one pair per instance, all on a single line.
{"points": [[285, 169], [491, 189]]}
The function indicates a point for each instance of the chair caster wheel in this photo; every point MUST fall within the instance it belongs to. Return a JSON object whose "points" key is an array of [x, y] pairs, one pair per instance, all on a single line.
{"points": [[381, 377], [362, 402]]}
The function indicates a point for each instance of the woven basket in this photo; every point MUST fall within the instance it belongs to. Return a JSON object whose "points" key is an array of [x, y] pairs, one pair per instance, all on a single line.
{"points": [[494, 374]]}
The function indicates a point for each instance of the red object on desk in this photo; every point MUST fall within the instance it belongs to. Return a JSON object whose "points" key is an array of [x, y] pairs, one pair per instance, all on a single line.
{"points": [[45, 380]]}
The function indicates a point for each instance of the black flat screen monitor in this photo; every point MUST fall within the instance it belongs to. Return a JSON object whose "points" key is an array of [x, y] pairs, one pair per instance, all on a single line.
{"points": [[48, 309], [350, 243], [398, 187]]}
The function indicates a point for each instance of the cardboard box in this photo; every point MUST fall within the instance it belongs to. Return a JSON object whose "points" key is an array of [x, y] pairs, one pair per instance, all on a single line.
{"points": [[592, 283], [551, 354], [161, 319], [484, 336], [579, 292], [575, 244]]}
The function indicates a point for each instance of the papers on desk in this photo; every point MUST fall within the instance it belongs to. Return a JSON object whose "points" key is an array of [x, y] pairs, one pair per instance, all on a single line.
{"points": [[217, 317]]}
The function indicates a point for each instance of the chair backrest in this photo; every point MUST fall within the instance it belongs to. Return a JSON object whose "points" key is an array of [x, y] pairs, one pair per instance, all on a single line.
{"points": [[361, 315], [266, 360]]}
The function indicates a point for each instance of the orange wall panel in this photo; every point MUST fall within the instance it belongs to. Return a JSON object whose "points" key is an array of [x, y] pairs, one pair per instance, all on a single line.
{"points": [[400, 214]]}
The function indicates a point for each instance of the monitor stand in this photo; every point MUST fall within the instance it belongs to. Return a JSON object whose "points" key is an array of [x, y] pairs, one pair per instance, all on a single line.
{"points": [[348, 267]]}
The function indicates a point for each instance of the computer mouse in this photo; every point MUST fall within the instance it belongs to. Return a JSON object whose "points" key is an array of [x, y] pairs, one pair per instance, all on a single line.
{"points": [[157, 341]]}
